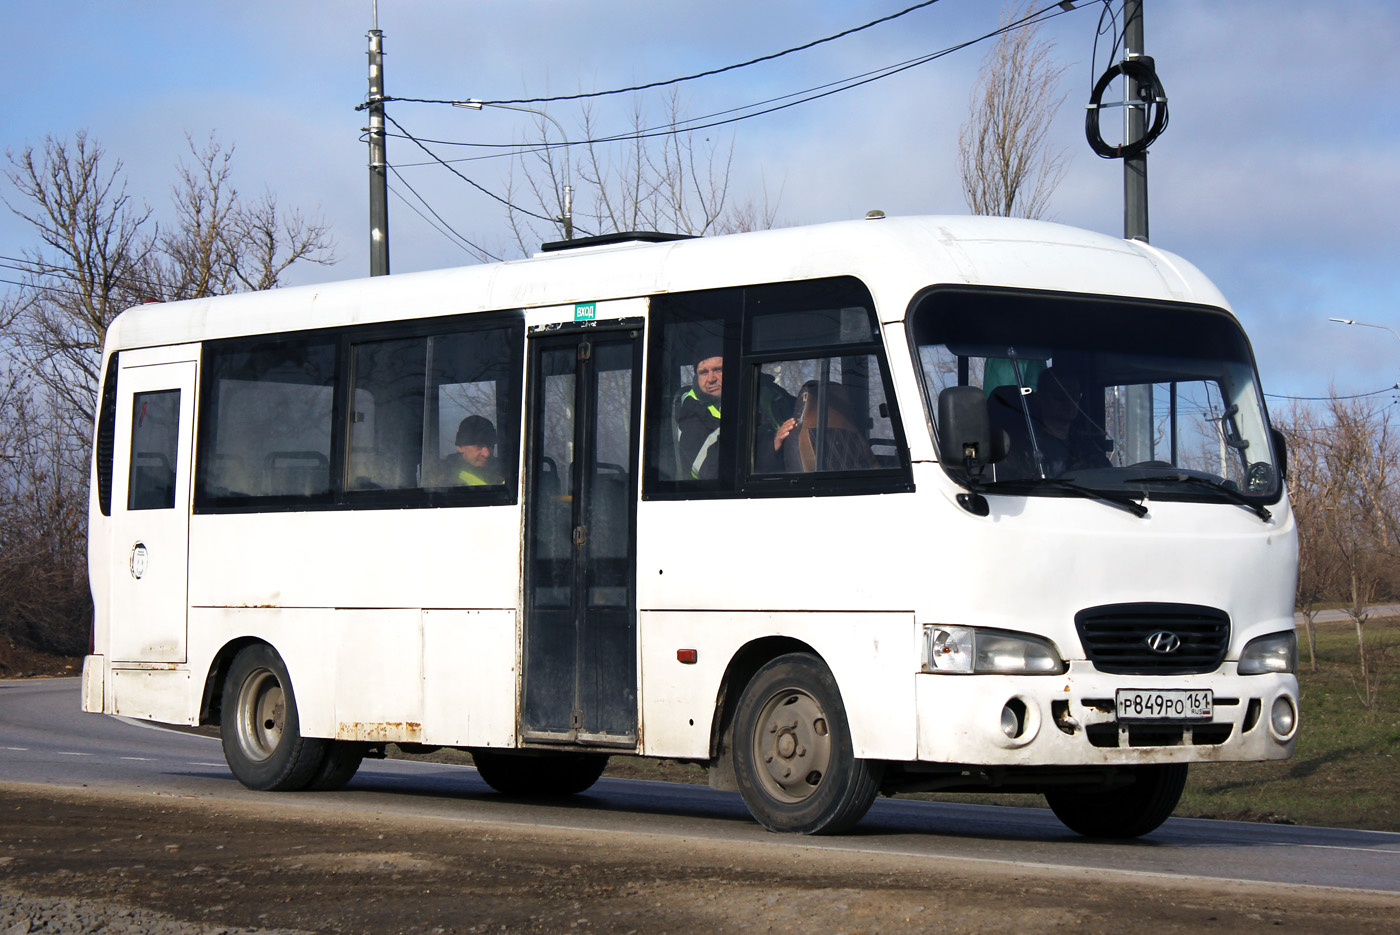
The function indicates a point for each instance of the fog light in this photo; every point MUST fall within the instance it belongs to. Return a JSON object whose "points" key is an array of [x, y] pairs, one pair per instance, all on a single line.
{"points": [[1013, 718], [1282, 717]]}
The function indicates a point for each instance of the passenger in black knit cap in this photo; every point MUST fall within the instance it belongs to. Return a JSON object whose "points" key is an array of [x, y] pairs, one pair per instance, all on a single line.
{"points": [[474, 464]]}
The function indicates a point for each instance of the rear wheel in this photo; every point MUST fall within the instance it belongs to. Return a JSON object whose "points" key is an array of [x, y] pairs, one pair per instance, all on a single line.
{"points": [[539, 775], [343, 759], [1129, 812], [258, 719], [793, 757]]}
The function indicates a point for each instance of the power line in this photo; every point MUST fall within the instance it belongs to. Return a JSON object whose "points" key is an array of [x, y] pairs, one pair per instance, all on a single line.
{"points": [[29, 285], [672, 81], [692, 125], [434, 224], [453, 170], [1323, 399], [434, 213], [134, 283]]}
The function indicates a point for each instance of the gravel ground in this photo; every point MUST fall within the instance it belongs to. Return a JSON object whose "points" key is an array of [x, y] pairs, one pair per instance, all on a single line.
{"points": [[20, 915], [83, 861]]}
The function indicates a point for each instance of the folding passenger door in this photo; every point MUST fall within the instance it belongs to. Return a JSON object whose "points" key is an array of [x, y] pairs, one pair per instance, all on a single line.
{"points": [[151, 504], [579, 679]]}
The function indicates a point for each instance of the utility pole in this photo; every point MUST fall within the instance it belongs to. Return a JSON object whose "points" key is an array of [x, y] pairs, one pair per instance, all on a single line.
{"points": [[378, 159], [1135, 167], [1138, 440]]}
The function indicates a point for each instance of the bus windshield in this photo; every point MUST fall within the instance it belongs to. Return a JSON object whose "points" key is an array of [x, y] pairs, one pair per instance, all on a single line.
{"points": [[1114, 395]]}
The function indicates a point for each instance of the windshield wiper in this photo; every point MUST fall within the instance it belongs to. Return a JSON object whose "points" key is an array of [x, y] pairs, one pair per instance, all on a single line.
{"points": [[1119, 500], [1226, 490]]}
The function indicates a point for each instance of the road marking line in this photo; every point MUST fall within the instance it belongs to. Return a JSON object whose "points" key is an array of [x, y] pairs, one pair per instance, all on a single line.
{"points": [[67, 753], [17, 749], [143, 759], [1345, 847]]}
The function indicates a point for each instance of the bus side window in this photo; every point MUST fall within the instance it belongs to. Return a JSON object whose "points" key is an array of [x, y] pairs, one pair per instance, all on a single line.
{"points": [[265, 421], [692, 393], [822, 414], [411, 399], [473, 380]]}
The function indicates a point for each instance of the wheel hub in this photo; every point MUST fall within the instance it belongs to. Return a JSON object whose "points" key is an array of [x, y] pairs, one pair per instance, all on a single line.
{"points": [[261, 714], [793, 744]]}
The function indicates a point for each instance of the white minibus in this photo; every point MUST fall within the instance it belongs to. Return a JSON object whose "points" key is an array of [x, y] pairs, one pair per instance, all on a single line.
{"points": [[878, 506]]}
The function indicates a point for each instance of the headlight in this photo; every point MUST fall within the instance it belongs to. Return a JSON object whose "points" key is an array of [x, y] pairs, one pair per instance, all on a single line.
{"points": [[1277, 652], [969, 650]]}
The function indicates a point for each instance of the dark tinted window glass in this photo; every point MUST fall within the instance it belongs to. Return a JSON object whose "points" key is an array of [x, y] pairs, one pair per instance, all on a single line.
{"points": [[433, 411], [265, 426], [694, 350], [155, 433], [837, 416], [107, 437], [800, 402]]}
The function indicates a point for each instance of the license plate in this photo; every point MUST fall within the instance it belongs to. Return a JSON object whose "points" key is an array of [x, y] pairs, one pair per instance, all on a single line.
{"points": [[1171, 704]]}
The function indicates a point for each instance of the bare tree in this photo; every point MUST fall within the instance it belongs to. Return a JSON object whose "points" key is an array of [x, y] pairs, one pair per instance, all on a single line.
{"points": [[1362, 462], [1344, 486], [99, 252], [1006, 164], [1310, 493], [654, 178], [91, 264], [220, 244], [43, 511]]}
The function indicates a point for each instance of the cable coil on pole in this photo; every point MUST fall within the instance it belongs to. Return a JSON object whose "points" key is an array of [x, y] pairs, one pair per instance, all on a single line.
{"points": [[1150, 94]]}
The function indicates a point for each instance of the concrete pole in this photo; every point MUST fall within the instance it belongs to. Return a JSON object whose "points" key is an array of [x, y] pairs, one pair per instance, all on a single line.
{"points": [[378, 160], [1138, 441], [1134, 169]]}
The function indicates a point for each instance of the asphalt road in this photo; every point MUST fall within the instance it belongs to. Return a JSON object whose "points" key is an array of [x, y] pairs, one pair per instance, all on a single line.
{"points": [[45, 739]]}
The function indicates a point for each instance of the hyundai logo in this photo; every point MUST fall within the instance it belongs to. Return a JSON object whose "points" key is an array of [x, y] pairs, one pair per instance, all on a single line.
{"points": [[1164, 642]]}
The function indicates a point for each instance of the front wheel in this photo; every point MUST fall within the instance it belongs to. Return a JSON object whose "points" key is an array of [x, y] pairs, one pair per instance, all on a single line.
{"points": [[793, 756], [539, 775], [258, 721], [1129, 812]]}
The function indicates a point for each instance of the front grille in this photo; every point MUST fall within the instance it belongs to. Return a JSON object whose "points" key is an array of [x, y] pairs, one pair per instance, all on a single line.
{"points": [[1120, 638]]}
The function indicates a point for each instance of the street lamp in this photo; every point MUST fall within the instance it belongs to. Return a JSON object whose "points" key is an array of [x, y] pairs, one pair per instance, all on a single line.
{"points": [[1366, 324], [568, 218]]}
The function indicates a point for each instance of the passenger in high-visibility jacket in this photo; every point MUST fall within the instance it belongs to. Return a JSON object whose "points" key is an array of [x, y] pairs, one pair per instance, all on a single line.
{"points": [[474, 464], [698, 419]]}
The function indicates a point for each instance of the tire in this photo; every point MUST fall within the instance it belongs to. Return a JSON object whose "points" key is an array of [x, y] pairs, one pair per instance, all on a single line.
{"points": [[793, 757], [262, 739], [1124, 813], [542, 775], [343, 759]]}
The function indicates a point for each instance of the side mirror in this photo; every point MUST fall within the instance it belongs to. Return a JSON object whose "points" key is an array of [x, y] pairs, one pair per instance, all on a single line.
{"points": [[1280, 451], [965, 435]]}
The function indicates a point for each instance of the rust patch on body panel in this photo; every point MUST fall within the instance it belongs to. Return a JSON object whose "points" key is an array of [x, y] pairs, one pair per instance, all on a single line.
{"points": [[380, 731]]}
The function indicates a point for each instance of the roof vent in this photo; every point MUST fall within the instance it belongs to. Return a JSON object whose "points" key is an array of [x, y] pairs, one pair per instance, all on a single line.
{"points": [[619, 237], [875, 215]]}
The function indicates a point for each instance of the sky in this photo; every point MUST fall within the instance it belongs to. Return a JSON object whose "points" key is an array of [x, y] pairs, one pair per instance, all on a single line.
{"points": [[1279, 174]]}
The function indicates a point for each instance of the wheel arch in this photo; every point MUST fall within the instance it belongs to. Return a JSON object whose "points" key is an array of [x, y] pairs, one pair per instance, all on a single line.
{"points": [[211, 704], [744, 664]]}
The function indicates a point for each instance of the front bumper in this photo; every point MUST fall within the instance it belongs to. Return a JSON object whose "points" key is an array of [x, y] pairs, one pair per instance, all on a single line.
{"points": [[1069, 720]]}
